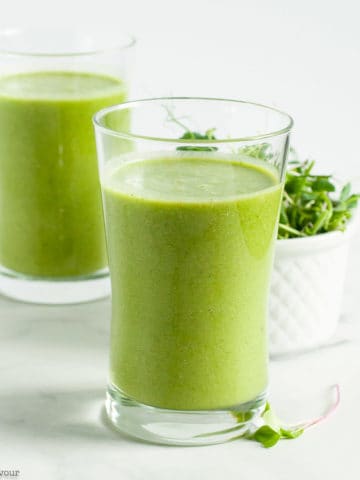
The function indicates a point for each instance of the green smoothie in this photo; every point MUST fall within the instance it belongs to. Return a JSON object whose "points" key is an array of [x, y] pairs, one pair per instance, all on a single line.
{"points": [[50, 210], [190, 243]]}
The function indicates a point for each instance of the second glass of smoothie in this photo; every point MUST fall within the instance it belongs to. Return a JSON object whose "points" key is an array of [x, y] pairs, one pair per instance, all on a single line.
{"points": [[52, 245], [191, 194]]}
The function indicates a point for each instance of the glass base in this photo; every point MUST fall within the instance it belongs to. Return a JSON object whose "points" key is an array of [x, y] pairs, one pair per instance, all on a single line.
{"points": [[53, 291], [182, 427]]}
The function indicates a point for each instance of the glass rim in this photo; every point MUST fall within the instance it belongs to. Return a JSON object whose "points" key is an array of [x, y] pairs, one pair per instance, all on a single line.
{"points": [[4, 32], [101, 114]]}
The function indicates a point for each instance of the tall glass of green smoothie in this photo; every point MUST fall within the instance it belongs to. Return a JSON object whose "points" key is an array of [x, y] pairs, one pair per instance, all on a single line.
{"points": [[191, 194], [52, 242]]}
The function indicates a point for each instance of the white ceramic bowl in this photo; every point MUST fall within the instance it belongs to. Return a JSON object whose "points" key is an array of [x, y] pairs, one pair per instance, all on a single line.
{"points": [[307, 289]]}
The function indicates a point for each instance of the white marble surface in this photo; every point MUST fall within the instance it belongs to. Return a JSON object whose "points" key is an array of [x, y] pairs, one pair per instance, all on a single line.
{"points": [[53, 368]]}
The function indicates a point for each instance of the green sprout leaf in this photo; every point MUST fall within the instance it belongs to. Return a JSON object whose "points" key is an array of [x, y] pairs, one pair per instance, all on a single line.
{"points": [[267, 436], [310, 204], [209, 135], [190, 134], [261, 151], [345, 192], [291, 433], [272, 429], [321, 184]]}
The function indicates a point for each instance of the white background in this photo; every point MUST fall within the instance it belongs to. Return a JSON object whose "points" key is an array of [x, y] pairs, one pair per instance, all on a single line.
{"points": [[301, 56]]}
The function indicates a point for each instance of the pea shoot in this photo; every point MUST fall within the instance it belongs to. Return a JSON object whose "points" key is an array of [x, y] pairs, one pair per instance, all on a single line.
{"points": [[310, 203], [273, 429]]}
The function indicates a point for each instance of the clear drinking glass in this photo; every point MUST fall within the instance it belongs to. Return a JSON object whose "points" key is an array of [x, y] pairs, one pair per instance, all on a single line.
{"points": [[52, 244], [191, 194]]}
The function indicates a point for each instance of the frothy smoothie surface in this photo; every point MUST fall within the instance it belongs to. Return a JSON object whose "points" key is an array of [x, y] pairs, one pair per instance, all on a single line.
{"points": [[54, 86], [50, 204], [189, 180], [190, 243]]}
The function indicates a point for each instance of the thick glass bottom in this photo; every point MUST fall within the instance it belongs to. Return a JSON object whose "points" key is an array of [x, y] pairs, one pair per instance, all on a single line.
{"points": [[181, 427], [55, 291]]}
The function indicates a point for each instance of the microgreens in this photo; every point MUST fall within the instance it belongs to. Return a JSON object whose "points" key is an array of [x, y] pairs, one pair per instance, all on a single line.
{"points": [[261, 151], [310, 204], [272, 430], [191, 135], [209, 135]]}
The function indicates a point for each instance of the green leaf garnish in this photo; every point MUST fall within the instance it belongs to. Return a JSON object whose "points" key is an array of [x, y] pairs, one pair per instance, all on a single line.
{"points": [[267, 436], [262, 151], [345, 192], [191, 135], [322, 184], [291, 433], [209, 135], [310, 205], [274, 430]]}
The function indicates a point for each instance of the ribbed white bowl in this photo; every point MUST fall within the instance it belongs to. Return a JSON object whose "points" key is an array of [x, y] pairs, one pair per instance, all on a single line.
{"points": [[307, 289]]}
